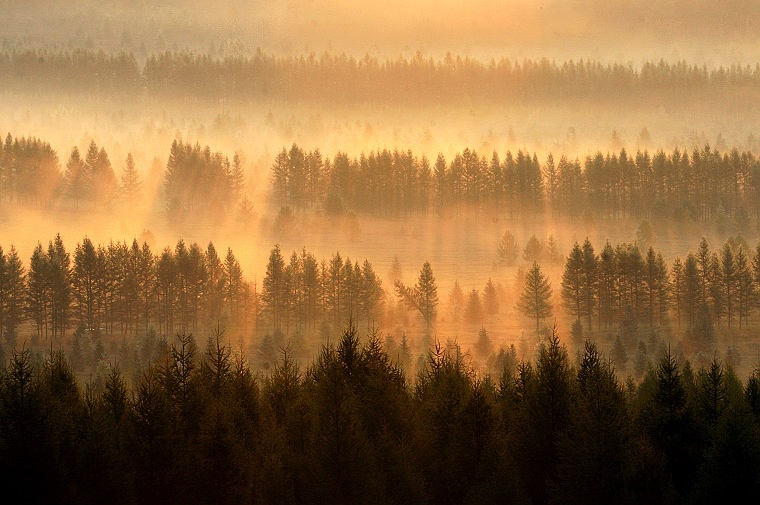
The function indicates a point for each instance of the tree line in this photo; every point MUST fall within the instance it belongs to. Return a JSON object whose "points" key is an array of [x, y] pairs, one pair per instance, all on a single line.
{"points": [[196, 180], [340, 78], [704, 185], [117, 289], [624, 285], [201, 182], [30, 172], [200, 426]]}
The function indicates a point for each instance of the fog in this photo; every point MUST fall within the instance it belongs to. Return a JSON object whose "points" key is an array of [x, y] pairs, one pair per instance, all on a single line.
{"points": [[296, 251], [461, 245], [700, 32]]}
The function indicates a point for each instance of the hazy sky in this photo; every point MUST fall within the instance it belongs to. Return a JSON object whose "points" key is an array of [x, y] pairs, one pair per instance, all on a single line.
{"points": [[628, 30]]}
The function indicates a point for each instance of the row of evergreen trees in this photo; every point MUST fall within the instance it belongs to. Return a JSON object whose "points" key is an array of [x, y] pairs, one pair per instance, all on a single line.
{"points": [[344, 78], [200, 181], [705, 185], [117, 289], [202, 427], [30, 172], [195, 181], [623, 284], [120, 290]]}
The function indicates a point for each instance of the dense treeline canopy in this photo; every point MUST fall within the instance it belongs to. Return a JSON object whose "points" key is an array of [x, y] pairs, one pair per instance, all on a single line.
{"points": [[703, 185], [29, 170], [118, 290], [122, 290], [200, 180], [199, 426], [339, 77], [626, 286]]}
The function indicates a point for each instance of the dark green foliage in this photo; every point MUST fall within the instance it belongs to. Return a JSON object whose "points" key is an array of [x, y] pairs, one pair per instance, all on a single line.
{"points": [[196, 428], [668, 420], [595, 450]]}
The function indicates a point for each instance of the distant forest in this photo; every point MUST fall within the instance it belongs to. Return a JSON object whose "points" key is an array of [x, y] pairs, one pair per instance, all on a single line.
{"points": [[200, 426], [704, 185], [344, 79]]}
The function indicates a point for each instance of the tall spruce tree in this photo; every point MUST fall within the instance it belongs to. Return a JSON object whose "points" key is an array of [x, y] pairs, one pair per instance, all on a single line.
{"points": [[535, 300]]}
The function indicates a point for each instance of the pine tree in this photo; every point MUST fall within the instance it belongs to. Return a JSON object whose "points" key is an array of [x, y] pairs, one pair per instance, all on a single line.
{"points": [[573, 283], [490, 298], [607, 285], [13, 294], [237, 178], [456, 302], [594, 451], [372, 293], [703, 258], [534, 250], [508, 249], [728, 277], [273, 288], [473, 313], [692, 300], [590, 280], [484, 345], [76, 177], [104, 183], [428, 294], [280, 177], [38, 290], [423, 297], [535, 300], [233, 286], [655, 285], [745, 288], [245, 212], [131, 185], [668, 421], [551, 176], [84, 278]]}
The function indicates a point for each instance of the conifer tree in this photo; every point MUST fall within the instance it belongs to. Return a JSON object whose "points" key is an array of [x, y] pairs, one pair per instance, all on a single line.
{"points": [[490, 298], [607, 285], [473, 313], [273, 288], [745, 288], [535, 300], [13, 296], [131, 186], [456, 302], [423, 297], [76, 179], [728, 277], [572, 283], [508, 249]]}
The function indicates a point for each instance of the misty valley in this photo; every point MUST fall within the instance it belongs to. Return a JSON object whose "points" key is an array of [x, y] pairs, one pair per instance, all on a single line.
{"points": [[429, 252]]}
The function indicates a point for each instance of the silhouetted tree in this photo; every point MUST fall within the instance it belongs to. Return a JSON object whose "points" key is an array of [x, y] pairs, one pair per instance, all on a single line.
{"points": [[535, 300]]}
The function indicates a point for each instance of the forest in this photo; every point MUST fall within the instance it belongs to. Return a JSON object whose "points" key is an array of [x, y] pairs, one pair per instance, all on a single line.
{"points": [[706, 185], [200, 426], [345, 79], [401, 252]]}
